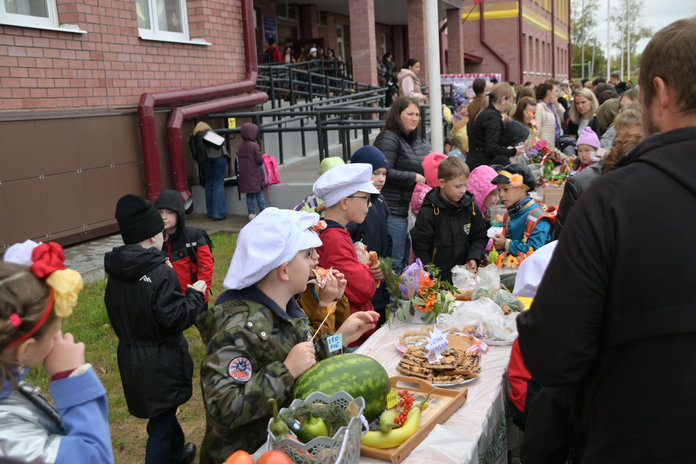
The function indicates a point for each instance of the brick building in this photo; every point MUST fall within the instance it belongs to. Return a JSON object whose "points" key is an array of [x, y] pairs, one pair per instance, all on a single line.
{"points": [[96, 94]]}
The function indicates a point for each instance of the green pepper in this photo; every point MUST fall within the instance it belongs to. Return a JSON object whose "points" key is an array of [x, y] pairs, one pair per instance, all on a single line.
{"points": [[316, 426]]}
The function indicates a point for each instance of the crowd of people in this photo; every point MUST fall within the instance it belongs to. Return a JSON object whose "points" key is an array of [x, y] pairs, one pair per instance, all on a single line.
{"points": [[611, 305]]}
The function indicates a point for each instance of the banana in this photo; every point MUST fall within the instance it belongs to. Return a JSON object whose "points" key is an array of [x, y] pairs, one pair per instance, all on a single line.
{"points": [[395, 437]]}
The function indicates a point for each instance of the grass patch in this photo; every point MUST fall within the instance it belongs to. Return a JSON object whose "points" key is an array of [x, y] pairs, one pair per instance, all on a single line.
{"points": [[90, 324]]}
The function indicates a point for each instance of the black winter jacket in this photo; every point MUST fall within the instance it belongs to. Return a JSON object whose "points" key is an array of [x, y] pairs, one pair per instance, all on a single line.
{"points": [[616, 314], [404, 160], [149, 313], [574, 187], [487, 140], [373, 233], [447, 235]]}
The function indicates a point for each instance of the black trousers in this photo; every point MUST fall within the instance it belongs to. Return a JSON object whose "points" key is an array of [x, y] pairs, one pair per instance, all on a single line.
{"points": [[165, 440]]}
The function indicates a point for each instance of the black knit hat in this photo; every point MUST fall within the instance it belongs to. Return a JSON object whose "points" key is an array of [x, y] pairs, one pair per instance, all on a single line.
{"points": [[505, 176], [137, 219]]}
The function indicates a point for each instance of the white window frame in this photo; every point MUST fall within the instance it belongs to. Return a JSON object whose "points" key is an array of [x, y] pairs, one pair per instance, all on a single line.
{"points": [[37, 22], [154, 33]]}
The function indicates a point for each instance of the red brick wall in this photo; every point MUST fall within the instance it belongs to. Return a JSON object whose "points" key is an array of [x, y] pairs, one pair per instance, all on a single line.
{"points": [[110, 66]]}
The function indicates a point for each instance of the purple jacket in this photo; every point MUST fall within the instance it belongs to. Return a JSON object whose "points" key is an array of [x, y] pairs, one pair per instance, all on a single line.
{"points": [[250, 160]]}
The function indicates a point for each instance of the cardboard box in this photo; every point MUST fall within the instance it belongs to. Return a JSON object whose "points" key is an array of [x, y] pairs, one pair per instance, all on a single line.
{"points": [[552, 195]]}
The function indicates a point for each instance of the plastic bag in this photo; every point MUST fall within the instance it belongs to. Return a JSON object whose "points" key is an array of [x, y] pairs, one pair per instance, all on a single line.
{"points": [[484, 316], [504, 298], [464, 279], [488, 282]]}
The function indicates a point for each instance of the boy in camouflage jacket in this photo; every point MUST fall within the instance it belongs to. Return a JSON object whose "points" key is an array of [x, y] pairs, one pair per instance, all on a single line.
{"points": [[257, 337]]}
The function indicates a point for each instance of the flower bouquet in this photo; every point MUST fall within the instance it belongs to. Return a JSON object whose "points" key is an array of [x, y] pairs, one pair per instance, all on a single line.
{"points": [[419, 295], [553, 166]]}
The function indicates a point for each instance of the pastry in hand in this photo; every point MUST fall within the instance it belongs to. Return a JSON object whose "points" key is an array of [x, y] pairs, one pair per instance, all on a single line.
{"points": [[320, 274]]}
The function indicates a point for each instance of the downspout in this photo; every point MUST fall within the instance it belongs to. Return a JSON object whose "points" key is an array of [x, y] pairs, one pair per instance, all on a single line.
{"points": [[553, 39], [148, 102], [520, 38], [443, 62], [482, 38], [569, 59]]}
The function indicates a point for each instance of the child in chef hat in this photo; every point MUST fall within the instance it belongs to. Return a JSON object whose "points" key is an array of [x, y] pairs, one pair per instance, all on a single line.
{"points": [[257, 336]]}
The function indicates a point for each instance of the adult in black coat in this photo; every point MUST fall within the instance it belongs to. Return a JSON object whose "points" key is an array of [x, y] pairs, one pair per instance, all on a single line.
{"points": [[403, 147], [487, 136], [615, 313]]}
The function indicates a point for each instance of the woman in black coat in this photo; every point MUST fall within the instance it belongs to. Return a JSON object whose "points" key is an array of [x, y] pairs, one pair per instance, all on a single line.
{"points": [[402, 145], [487, 132]]}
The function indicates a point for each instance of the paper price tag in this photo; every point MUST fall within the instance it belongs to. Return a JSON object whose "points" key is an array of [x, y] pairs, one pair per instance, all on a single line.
{"points": [[335, 342], [437, 343], [231, 123], [392, 399], [479, 345]]}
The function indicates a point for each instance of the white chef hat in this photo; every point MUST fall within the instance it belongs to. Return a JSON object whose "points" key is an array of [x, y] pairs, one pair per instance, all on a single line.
{"points": [[274, 237], [343, 181], [532, 270]]}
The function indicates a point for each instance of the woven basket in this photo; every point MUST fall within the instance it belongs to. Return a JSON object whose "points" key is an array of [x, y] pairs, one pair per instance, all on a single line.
{"points": [[342, 448]]}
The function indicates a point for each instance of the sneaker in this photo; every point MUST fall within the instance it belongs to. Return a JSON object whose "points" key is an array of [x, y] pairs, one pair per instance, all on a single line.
{"points": [[252, 216]]}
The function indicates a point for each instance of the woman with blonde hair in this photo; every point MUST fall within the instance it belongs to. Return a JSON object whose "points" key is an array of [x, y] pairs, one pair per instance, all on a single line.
{"points": [[582, 113], [487, 135]]}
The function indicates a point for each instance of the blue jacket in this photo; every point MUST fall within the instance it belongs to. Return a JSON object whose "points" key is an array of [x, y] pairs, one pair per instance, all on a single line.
{"points": [[75, 430], [516, 224]]}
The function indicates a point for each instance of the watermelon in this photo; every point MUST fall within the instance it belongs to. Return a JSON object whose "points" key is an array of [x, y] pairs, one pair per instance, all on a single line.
{"points": [[356, 374]]}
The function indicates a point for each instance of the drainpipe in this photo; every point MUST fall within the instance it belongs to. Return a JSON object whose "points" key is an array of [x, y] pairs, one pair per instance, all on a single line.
{"points": [[148, 102], [520, 38], [176, 120], [482, 38], [553, 39]]}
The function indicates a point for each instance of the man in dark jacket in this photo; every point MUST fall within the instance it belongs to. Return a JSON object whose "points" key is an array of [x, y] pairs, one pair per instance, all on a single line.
{"points": [[186, 247], [614, 314], [450, 229], [149, 313]]}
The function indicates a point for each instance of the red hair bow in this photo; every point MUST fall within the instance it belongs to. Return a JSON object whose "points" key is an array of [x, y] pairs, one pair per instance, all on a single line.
{"points": [[47, 257]]}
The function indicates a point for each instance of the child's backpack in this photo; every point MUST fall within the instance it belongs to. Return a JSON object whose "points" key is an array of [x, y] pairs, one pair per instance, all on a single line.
{"points": [[271, 174], [190, 235], [533, 218]]}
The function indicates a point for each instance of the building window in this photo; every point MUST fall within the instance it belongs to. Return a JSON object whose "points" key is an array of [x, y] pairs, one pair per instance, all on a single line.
{"points": [[162, 20], [29, 13], [383, 43]]}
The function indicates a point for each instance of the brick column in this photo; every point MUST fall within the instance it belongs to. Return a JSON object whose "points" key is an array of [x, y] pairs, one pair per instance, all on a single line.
{"points": [[400, 46], [455, 48], [363, 41], [417, 43]]}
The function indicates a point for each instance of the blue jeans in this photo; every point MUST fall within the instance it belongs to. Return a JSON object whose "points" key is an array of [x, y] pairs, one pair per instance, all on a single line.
{"points": [[165, 439], [401, 245], [259, 199], [214, 174]]}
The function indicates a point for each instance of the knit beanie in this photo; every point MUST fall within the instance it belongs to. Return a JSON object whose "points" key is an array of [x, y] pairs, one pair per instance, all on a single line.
{"points": [[330, 162], [430, 164], [588, 137], [480, 185], [371, 155], [137, 219]]}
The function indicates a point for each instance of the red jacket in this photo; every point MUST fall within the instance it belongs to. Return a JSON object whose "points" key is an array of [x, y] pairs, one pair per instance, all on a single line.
{"points": [[338, 252]]}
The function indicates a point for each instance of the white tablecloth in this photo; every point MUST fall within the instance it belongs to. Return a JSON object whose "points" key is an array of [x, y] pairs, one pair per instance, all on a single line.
{"points": [[476, 432]]}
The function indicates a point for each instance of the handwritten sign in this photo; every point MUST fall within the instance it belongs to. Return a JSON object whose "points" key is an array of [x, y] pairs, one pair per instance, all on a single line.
{"points": [[335, 342], [437, 343], [231, 123]]}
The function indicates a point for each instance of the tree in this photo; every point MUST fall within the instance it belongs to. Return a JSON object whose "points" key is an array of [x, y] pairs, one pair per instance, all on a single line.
{"points": [[582, 24], [625, 22]]}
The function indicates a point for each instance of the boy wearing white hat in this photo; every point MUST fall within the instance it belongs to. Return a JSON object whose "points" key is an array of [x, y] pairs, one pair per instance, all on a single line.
{"points": [[347, 192], [257, 337]]}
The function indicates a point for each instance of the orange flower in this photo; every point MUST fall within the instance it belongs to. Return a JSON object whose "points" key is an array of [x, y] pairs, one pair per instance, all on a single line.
{"points": [[516, 180]]}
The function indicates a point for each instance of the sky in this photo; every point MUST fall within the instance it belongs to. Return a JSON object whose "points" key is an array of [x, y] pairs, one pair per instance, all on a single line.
{"points": [[655, 14]]}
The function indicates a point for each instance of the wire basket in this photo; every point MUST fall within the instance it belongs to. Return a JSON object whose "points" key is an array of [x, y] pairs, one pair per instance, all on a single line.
{"points": [[342, 448]]}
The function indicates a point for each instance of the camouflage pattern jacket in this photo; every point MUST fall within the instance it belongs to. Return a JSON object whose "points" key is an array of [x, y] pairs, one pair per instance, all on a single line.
{"points": [[248, 337]]}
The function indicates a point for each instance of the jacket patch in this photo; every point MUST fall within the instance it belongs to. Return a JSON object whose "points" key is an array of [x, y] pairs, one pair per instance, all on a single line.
{"points": [[240, 369], [467, 228], [145, 279]]}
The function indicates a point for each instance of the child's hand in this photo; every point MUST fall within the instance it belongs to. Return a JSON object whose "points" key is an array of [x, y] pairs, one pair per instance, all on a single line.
{"points": [[329, 291], [499, 241], [65, 355], [199, 285], [377, 273], [471, 265], [420, 178], [356, 325], [168, 263], [342, 282], [300, 358]]}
